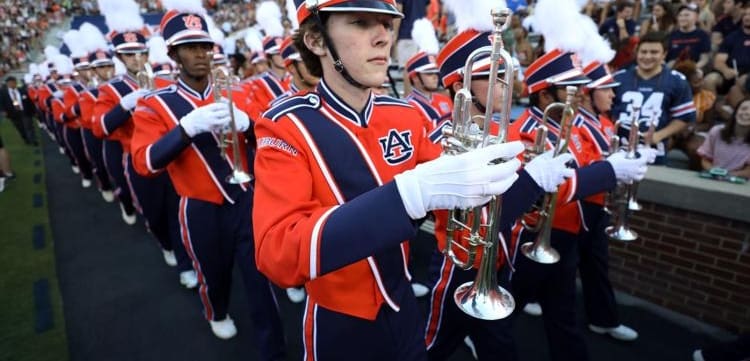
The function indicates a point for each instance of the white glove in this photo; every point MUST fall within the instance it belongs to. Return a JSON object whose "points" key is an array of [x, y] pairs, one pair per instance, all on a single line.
{"points": [[628, 170], [208, 118], [128, 102], [648, 153], [58, 94], [549, 172], [461, 181], [241, 121]]}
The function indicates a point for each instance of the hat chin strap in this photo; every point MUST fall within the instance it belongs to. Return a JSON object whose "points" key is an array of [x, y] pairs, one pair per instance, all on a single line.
{"points": [[337, 64]]}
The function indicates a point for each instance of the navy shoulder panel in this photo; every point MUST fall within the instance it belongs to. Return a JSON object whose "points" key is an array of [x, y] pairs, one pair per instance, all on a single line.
{"points": [[310, 100], [384, 99]]}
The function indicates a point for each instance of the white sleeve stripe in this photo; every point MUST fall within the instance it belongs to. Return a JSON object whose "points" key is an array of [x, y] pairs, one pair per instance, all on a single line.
{"points": [[314, 237]]}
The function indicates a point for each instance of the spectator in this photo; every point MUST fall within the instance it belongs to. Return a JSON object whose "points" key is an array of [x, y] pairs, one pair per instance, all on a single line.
{"points": [[15, 103], [524, 50], [691, 138], [663, 95], [621, 26], [5, 170], [729, 20], [732, 61], [688, 42], [728, 146], [620, 30], [706, 17], [662, 19]]}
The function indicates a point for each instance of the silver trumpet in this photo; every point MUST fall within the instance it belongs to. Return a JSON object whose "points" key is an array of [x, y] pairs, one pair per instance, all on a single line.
{"points": [[614, 145], [483, 298], [648, 140], [223, 82], [541, 250], [145, 77], [619, 230]]}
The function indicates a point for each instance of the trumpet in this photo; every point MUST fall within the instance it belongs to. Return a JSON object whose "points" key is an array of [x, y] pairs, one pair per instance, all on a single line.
{"points": [[483, 298], [633, 204], [614, 145], [145, 77], [541, 250], [620, 231], [223, 82]]}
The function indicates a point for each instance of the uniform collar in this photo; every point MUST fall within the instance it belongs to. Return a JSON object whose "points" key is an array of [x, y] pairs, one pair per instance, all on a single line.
{"points": [[416, 93], [194, 93], [588, 115], [344, 110]]}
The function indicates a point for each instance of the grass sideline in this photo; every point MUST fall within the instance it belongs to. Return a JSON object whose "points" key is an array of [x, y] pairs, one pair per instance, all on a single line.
{"points": [[21, 265]]}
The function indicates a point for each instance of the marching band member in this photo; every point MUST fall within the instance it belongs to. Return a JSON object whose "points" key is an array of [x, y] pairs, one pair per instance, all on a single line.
{"points": [[176, 130], [100, 63], [153, 196], [597, 129], [163, 67], [68, 134], [424, 75], [553, 286], [338, 217], [117, 98], [71, 117], [273, 83], [256, 59], [447, 325]]}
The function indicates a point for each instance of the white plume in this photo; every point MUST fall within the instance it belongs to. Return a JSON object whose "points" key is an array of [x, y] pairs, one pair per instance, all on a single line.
{"points": [[253, 39], [473, 14], [33, 69], [44, 69], [291, 14], [28, 78], [76, 43], [423, 33], [230, 45], [50, 52], [121, 15], [185, 6], [268, 16], [558, 21], [93, 37], [157, 50], [597, 48], [63, 64], [216, 34]]}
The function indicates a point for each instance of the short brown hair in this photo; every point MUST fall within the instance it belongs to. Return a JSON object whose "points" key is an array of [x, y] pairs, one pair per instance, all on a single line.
{"points": [[653, 37], [311, 60]]}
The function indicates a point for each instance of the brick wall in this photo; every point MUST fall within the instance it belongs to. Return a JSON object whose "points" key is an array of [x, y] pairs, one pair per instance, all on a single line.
{"points": [[687, 262]]}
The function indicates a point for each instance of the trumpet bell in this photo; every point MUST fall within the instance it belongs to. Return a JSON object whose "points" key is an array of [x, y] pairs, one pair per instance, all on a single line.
{"points": [[621, 233], [541, 253], [493, 305], [239, 177]]}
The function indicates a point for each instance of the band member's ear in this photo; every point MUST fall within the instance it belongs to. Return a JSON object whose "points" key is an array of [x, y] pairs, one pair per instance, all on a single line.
{"points": [[314, 42], [457, 86]]}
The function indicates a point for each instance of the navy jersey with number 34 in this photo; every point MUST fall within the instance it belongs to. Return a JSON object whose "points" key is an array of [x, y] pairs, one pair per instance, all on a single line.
{"points": [[664, 97]]}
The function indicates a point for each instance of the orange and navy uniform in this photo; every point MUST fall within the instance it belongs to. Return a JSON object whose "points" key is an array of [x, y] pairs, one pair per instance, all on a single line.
{"points": [[437, 115], [72, 112], [267, 87], [333, 219], [596, 131], [159, 144], [591, 176], [87, 102], [112, 121]]}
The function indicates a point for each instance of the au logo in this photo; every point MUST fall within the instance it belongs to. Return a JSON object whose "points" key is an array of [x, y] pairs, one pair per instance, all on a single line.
{"points": [[396, 146], [431, 59], [130, 37], [101, 54], [192, 22]]}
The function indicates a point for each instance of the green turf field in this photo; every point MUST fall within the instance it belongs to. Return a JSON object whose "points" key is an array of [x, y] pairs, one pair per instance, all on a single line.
{"points": [[32, 326]]}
